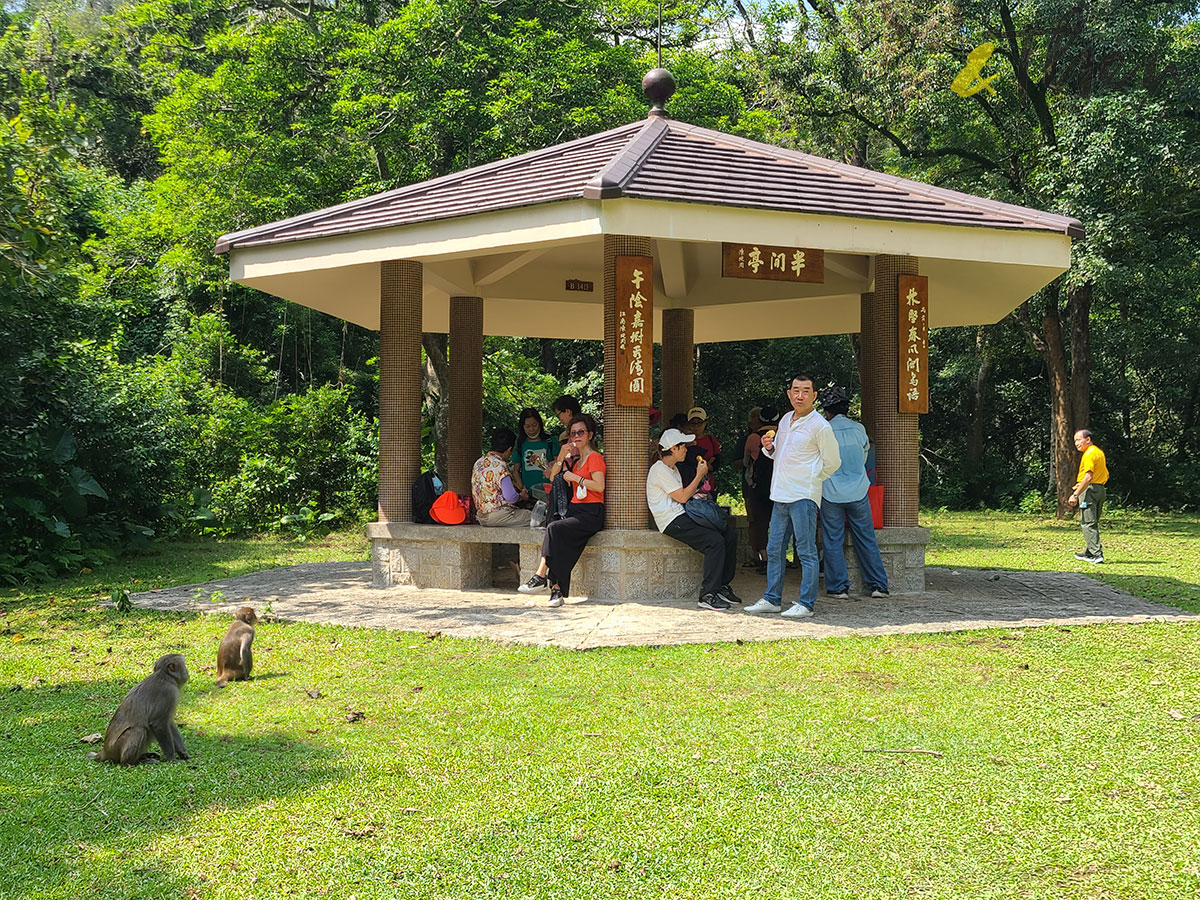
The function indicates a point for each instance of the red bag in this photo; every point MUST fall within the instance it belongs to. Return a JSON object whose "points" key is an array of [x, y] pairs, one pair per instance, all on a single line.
{"points": [[449, 509], [875, 498]]}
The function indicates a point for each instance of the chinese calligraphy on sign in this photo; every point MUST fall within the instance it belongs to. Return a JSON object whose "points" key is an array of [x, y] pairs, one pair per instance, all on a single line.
{"points": [[772, 263], [635, 329], [913, 327]]}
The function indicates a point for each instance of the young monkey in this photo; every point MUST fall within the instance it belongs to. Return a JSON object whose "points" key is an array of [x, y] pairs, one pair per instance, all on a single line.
{"points": [[233, 656]]}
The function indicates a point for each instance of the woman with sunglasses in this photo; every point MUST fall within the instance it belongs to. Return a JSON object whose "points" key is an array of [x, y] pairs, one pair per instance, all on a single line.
{"points": [[583, 469]]}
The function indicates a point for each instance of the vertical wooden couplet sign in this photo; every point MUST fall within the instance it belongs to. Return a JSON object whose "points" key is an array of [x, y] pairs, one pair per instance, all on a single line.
{"points": [[913, 322], [635, 330]]}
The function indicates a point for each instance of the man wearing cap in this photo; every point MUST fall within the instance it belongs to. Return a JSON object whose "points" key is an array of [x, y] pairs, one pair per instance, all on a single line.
{"points": [[805, 454], [844, 504], [666, 494], [492, 487]]}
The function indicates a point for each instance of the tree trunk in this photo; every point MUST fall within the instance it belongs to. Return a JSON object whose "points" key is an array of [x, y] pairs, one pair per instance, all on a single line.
{"points": [[1079, 309], [1189, 420], [549, 362], [979, 396], [437, 395], [1062, 445]]}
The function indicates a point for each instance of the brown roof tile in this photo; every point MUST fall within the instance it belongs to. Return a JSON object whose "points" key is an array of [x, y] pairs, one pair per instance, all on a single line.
{"points": [[659, 159]]}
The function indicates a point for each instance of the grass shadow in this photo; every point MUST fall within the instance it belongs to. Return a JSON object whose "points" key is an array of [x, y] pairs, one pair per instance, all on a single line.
{"points": [[71, 826]]}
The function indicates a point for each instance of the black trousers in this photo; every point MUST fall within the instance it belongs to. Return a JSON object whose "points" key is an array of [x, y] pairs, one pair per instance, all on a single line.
{"points": [[719, 549], [565, 539]]}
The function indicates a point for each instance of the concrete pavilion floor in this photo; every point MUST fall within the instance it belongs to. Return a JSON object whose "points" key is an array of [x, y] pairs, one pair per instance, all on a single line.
{"points": [[955, 600]]}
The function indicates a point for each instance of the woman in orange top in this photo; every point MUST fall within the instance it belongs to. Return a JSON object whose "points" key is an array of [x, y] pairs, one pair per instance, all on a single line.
{"points": [[583, 469]]}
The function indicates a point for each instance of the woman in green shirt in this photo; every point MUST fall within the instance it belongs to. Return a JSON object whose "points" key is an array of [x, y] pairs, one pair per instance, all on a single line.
{"points": [[535, 453]]}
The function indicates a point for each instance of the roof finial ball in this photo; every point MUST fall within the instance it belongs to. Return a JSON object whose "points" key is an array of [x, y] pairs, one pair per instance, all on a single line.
{"points": [[659, 85]]}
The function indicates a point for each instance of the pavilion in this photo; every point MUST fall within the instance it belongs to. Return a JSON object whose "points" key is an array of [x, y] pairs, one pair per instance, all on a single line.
{"points": [[532, 246]]}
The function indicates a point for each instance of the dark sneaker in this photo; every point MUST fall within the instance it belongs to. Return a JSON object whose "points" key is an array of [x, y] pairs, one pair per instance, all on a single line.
{"points": [[760, 569], [1088, 557], [714, 602], [535, 585], [879, 594], [556, 598], [838, 595], [726, 593]]}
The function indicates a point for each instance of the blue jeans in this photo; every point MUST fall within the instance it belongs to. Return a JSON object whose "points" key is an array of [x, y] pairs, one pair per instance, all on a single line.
{"points": [[797, 518], [834, 519]]}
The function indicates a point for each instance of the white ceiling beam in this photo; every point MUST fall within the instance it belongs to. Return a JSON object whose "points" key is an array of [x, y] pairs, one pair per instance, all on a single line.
{"points": [[490, 269], [672, 265], [856, 268], [454, 276]]}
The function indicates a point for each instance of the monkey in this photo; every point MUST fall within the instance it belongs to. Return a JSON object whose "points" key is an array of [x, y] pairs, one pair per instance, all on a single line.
{"points": [[233, 656], [148, 709]]}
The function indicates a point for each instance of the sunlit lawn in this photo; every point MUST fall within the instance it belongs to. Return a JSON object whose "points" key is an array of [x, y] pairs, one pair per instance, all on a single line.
{"points": [[1066, 761], [1152, 555]]}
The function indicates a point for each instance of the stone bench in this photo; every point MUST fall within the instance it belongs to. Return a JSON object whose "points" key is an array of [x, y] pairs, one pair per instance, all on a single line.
{"points": [[615, 565]]}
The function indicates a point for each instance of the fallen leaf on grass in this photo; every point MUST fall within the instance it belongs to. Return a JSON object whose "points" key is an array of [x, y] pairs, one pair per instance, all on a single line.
{"points": [[998, 760], [364, 832], [418, 688], [354, 716], [312, 730], [92, 738], [1063, 799], [915, 750], [1176, 714], [615, 865], [316, 695]]}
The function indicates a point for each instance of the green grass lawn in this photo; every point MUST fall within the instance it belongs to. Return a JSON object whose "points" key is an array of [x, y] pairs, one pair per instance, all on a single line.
{"points": [[1067, 763]]}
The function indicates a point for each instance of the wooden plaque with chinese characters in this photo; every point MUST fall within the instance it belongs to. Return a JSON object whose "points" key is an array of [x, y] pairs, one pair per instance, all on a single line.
{"points": [[635, 330], [913, 322], [772, 263]]}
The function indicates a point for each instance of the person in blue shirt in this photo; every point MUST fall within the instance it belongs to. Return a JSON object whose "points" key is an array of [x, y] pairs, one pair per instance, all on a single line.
{"points": [[844, 504]]}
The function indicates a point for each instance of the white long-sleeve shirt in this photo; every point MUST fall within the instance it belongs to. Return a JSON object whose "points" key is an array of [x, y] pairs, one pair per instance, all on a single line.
{"points": [[805, 454]]}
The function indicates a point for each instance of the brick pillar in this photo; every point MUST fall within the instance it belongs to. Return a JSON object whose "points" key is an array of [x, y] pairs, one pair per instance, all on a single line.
{"points": [[466, 391], [678, 361], [399, 387], [867, 399], [626, 428], [894, 433]]}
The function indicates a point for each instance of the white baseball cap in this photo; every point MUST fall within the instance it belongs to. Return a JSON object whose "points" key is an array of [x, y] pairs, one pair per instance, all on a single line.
{"points": [[673, 436]]}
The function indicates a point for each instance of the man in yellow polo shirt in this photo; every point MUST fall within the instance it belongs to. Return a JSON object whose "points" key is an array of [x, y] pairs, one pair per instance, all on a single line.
{"points": [[1089, 494]]}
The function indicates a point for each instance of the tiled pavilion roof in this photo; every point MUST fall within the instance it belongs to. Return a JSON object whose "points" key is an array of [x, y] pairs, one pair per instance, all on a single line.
{"points": [[659, 159]]}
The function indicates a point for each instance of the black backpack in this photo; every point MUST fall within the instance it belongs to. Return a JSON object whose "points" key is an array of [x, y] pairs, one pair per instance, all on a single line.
{"points": [[424, 492]]}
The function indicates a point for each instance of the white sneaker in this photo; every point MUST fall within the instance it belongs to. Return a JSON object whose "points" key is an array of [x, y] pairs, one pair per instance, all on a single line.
{"points": [[764, 606], [797, 611]]}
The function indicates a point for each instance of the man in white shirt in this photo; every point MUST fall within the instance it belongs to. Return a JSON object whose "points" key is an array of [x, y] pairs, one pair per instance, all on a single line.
{"points": [[666, 494], [805, 453]]}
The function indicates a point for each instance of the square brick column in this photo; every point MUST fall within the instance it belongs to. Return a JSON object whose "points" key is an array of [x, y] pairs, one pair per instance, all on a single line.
{"points": [[894, 433], [678, 361], [466, 391], [626, 428], [399, 387]]}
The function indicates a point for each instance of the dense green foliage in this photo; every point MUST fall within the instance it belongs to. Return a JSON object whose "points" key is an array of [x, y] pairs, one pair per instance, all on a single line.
{"points": [[142, 392]]}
